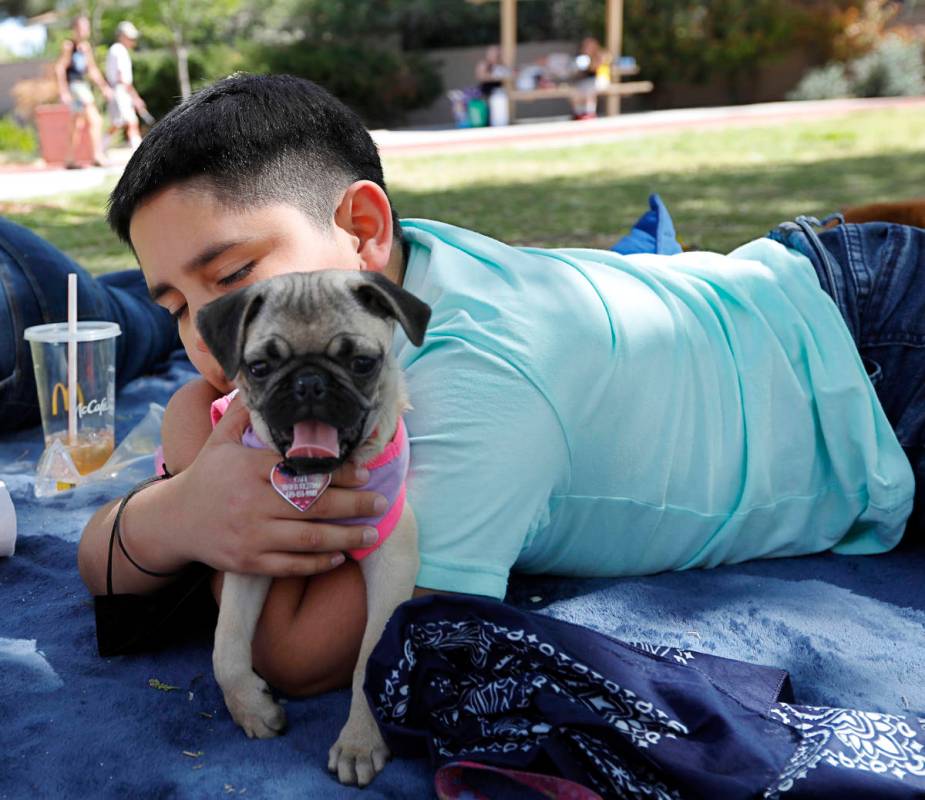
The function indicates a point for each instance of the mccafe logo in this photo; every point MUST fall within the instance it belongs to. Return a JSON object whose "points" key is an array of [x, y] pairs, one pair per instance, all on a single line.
{"points": [[83, 409]]}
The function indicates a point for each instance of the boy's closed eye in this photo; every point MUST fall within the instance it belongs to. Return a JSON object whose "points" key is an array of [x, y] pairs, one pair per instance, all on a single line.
{"points": [[229, 280], [238, 275]]}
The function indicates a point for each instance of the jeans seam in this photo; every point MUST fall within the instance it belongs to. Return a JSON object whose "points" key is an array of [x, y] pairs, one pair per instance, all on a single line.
{"points": [[860, 274], [23, 262], [892, 339], [19, 347]]}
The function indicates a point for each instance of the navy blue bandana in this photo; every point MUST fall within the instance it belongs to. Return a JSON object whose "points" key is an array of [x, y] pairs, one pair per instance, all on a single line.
{"points": [[466, 679]]}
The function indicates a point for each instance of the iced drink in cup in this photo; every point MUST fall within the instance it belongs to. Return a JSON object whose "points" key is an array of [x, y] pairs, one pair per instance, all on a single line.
{"points": [[95, 393]]}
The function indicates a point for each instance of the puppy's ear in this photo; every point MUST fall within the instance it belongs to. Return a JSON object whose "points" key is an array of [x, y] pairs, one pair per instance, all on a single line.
{"points": [[383, 298], [223, 325]]}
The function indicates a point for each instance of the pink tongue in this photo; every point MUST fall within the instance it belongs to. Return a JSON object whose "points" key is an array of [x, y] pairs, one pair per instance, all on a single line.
{"points": [[313, 440]]}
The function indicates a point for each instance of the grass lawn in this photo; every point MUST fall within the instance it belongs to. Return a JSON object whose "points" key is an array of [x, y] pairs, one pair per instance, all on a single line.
{"points": [[723, 188]]}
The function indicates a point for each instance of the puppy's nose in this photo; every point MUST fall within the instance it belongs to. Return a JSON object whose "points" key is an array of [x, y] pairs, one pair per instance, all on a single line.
{"points": [[310, 385]]}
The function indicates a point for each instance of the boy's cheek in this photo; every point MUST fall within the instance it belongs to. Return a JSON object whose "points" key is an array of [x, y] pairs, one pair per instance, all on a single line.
{"points": [[204, 362]]}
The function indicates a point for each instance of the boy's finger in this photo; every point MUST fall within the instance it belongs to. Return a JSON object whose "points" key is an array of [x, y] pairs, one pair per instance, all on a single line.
{"points": [[287, 565], [317, 537], [333, 503], [350, 476]]}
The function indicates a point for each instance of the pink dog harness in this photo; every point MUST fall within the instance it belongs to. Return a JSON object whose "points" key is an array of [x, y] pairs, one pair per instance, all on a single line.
{"points": [[387, 476]]}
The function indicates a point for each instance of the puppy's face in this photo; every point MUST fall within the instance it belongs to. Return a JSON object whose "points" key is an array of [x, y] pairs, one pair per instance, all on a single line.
{"points": [[310, 354]]}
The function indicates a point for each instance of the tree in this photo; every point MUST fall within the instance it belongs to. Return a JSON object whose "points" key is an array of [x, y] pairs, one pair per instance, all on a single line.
{"points": [[22, 8], [182, 24]]}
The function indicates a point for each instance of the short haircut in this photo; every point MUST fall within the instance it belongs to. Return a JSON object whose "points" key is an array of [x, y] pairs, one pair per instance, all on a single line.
{"points": [[252, 140]]}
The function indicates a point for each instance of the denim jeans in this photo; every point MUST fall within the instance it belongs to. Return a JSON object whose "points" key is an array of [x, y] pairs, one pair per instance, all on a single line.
{"points": [[33, 291], [875, 273]]}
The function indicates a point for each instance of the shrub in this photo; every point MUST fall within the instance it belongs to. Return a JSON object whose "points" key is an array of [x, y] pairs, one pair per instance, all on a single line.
{"points": [[16, 140], [379, 83], [894, 68], [824, 83], [155, 72]]}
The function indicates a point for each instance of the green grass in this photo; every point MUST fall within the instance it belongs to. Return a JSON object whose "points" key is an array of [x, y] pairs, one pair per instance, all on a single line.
{"points": [[722, 187]]}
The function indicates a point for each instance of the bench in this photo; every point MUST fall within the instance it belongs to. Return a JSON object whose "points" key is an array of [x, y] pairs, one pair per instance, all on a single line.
{"points": [[613, 92]]}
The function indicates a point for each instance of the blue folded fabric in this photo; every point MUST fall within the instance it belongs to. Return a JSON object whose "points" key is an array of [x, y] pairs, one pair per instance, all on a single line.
{"points": [[474, 680], [653, 232]]}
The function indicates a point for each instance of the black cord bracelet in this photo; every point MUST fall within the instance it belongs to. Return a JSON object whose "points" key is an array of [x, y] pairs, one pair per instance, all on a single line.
{"points": [[116, 535]]}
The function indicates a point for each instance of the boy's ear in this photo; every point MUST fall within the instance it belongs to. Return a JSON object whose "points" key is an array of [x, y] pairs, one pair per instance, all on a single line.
{"points": [[383, 298], [365, 213], [223, 324]]}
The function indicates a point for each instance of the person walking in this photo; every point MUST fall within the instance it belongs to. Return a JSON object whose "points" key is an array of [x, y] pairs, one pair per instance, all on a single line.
{"points": [[73, 68], [125, 103]]}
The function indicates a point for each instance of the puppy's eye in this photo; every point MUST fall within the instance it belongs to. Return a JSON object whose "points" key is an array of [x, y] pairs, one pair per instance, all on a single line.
{"points": [[362, 365], [259, 369]]}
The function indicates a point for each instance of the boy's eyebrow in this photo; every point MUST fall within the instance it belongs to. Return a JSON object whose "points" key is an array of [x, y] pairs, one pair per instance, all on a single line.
{"points": [[202, 259]]}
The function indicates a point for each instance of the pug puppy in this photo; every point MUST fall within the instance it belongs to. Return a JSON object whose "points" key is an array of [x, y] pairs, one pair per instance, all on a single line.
{"points": [[310, 354]]}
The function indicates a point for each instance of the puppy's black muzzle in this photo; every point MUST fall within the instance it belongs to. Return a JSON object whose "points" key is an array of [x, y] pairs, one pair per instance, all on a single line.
{"points": [[313, 392]]}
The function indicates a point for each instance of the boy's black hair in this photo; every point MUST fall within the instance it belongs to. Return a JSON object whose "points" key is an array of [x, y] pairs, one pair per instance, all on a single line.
{"points": [[252, 140]]}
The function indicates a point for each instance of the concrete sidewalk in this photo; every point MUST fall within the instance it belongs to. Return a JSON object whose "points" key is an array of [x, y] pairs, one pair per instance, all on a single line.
{"points": [[22, 181], [568, 132], [19, 182]]}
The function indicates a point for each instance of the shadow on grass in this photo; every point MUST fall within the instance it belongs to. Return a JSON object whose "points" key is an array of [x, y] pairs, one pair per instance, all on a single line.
{"points": [[715, 209], [77, 225]]}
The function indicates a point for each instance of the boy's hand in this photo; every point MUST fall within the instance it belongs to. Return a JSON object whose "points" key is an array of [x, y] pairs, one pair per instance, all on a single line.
{"points": [[234, 520]]}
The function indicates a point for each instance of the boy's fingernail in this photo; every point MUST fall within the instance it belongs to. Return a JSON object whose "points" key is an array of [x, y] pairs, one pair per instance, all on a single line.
{"points": [[370, 536], [380, 505], [362, 474], [339, 559]]}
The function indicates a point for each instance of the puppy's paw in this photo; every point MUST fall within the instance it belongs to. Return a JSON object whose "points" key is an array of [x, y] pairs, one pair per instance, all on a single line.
{"points": [[253, 708], [359, 753]]}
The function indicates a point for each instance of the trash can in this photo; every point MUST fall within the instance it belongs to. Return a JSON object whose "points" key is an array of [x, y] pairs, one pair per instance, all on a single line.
{"points": [[53, 124], [478, 113]]}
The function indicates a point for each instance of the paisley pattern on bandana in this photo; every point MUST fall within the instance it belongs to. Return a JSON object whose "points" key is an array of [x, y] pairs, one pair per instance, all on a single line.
{"points": [[472, 680], [848, 739]]}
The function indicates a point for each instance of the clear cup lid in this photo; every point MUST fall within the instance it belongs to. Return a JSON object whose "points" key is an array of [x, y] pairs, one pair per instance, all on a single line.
{"points": [[87, 331]]}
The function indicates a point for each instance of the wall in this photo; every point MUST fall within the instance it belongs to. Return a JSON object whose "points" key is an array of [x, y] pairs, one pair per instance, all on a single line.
{"points": [[457, 68], [12, 73]]}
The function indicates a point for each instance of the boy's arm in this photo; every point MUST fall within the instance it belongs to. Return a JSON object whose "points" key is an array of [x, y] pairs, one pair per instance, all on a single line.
{"points": [[183, 433], [487, 452], [220, 509]]}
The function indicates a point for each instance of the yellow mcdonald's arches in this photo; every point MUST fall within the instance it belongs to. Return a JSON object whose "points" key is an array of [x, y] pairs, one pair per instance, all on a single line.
{"points": [[63, 389]]}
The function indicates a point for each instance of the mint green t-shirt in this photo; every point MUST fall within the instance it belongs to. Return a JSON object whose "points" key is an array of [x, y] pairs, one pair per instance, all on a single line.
{"points": [[579, 412]]}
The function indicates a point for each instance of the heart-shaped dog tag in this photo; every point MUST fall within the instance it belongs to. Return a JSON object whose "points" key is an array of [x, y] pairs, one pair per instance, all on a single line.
{"points": [[299, 490]]}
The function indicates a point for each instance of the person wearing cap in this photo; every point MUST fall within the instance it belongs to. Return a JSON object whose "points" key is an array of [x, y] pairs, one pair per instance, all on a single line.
{"points": [[125, 102]]}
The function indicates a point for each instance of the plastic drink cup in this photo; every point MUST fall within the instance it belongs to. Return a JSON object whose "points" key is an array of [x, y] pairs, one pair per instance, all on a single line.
{"points": [[95, 395]]}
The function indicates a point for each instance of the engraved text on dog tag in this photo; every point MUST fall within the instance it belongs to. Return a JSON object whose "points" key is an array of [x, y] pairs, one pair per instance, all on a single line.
{"points": [[299, 490]]}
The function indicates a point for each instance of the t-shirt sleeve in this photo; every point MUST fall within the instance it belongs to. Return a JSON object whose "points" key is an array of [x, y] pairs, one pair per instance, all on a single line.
{"points": [[487, 452]]}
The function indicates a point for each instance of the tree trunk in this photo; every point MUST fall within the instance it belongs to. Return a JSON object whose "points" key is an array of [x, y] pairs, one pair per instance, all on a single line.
{"points": [[182, 64]]}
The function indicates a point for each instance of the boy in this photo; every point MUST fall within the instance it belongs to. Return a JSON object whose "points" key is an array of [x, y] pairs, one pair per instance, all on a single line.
{"points": [[575, 412]]}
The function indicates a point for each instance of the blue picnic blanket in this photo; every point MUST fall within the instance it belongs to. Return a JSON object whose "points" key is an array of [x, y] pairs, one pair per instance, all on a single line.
{"points": [[849, 630]]}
